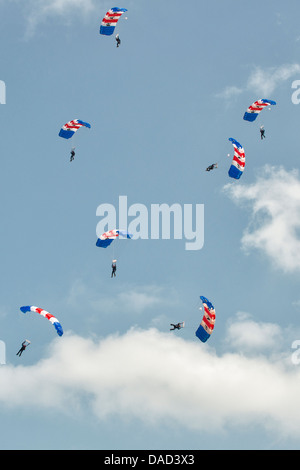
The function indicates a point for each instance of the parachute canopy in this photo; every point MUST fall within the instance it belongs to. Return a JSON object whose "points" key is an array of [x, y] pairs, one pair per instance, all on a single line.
{"points": [[69, 129], [208, 321], [255, 108], [238, 162], [45, 314], [110, 20], [108, 237]]}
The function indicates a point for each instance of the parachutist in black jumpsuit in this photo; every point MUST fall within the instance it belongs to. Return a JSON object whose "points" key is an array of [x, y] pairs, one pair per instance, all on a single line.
{"points": [[72, 155], [211, 167], [23, 347], [114, 269], [175, 327]]}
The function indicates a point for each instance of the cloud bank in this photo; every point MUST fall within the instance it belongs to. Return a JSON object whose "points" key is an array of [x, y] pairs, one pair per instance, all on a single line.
{"points": [[145, 374], [274, 203]]}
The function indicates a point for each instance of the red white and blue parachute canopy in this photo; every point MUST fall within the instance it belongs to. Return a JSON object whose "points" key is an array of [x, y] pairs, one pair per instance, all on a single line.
{"points": [[110, 20], [45, 314], [256, 107], [108, 237], [208, 321], [69, 129], [238, 162]]}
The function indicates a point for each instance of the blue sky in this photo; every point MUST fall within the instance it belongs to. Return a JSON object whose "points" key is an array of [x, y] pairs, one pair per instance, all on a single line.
{"points": [[161, 108]]}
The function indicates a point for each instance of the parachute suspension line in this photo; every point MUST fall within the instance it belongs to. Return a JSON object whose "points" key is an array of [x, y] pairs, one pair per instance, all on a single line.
{"points": [[70, 128], [196, 305], [112, 236], [73, 144]]}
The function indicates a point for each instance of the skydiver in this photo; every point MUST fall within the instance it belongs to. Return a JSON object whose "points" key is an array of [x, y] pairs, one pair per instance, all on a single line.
{"points": [[72, 154], [262, 132], [211, 167], [114, 268], [118, 40], [23, 347], [177, 326]]}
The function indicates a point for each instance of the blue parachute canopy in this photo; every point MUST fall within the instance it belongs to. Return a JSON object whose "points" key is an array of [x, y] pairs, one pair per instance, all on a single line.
{"points": [[208, 321], [45, 314], [256, 107], [108, 237], [69, 129], [238, 162], [110, 20]]}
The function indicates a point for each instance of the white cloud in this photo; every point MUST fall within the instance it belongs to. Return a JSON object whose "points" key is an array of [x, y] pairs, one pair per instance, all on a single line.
{"points": [[262, 81], [146, 374], [60, 7], [274, 200], [141, 299], [38, 11], [247, 335], [229, 92], [265, 81], [133, 298]]}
